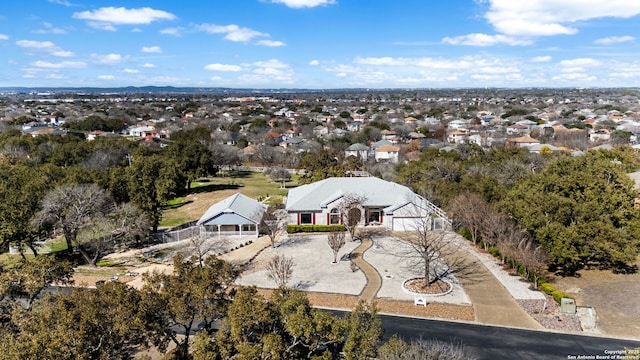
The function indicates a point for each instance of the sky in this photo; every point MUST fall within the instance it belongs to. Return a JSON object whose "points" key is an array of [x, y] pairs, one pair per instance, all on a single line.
{"points": [[320, 44]]}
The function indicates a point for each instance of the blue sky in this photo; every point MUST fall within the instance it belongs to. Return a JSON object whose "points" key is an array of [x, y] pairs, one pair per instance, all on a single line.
{"points": [[321, 43]]}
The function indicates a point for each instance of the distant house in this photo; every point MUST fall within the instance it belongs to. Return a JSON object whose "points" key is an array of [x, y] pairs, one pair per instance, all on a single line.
{"points": [[94, 134], [457, 137], [358, 150], [142, 131], [522, 141], [457, 125], [517, 129], [237, 215], [600, 135], [386, 204], [387, 153], [379, 143]]}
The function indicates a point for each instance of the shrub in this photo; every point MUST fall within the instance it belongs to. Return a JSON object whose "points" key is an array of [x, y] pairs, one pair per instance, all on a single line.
{"points": [[553, 292], [291, 229], [494, 251]]}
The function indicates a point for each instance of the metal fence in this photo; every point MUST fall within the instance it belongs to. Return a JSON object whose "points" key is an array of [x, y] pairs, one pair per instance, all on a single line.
{"points": [[177, 235]]}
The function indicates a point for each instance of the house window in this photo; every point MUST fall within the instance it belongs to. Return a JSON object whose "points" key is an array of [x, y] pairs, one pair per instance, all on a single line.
{"points": [[437, 224], [306, 219], [374, 216], [248, 227], [334, 217]]}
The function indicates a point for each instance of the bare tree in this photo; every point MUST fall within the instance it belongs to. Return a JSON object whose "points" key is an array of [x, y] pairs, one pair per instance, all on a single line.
{"points": [[397, 349], [274, 222], [469, 210], [280, 175], [199, 248], [351, 210], [336, 242], [427, 249], [71, 207], [279, 269]]}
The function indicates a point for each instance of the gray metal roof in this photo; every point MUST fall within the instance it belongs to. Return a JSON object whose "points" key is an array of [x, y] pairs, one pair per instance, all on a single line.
{"points": [[357, 147], [238, 204], [377, 193]]}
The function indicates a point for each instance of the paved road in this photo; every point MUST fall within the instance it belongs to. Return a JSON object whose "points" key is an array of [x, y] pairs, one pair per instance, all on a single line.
{"points": [[495, 343]]}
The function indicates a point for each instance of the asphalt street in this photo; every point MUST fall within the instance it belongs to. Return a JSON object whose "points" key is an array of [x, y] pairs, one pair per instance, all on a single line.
{"points": [[491, 342]]}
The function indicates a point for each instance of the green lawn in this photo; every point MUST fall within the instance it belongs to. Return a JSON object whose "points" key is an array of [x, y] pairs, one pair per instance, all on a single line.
{"points": [[206, 192]]}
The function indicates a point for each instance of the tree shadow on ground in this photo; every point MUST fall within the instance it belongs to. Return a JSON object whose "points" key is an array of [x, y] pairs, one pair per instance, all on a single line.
{"points": [[213, 187], [304, 285], [293, 240]]}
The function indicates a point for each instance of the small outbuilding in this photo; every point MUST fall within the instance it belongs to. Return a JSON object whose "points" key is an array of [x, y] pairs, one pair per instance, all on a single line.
{"points": [[237, 215]]}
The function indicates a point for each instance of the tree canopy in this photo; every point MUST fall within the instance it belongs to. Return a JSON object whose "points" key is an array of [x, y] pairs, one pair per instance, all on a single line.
{"points": [[581, 210]]}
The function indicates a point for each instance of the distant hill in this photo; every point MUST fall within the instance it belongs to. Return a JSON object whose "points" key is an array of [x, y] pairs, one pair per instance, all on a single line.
{"points": [[160, 89]]}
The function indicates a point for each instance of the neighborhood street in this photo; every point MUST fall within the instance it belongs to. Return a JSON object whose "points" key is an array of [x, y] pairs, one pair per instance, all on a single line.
{"points": [[492, 342]]}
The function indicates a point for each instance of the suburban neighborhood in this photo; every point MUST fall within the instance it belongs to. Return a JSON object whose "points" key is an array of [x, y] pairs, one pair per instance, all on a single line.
{"points": [[507, 208]]}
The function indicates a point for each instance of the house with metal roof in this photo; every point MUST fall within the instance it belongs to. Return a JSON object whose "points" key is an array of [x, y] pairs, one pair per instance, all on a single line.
{"points": [[384, 203], [237, 215], [360, 151]]}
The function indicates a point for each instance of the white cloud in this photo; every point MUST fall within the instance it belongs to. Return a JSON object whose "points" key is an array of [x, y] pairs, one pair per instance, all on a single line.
{"points": [[272, 63], [297, 4], [107, 59], [539, 59], [580, 62], [552, 17], [151, 49], [232, 32], [106, 77], [485, 40], [130, 71], [172, 31], [107, 17], [54, 76], [59, 65], [271, 43], [223, 67], [314, 62], [268, 71], [614, 40], [4, 37], [49, 29], [62, 2], [46, 46], [148, 65]]}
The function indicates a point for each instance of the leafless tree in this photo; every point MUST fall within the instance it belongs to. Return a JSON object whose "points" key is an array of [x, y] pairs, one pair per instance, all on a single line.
{"points": [[280, 175], [469, 210], [273, 222], [336, 241], [351, 209], [423, 349], [427, 248], [279, 269], [200, 247], [131, 225], [71, 207], [90, 221]]}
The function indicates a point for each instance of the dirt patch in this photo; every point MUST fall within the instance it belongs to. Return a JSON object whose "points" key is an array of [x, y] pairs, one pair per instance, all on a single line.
{"points": [[417, 286], [613, 296]]}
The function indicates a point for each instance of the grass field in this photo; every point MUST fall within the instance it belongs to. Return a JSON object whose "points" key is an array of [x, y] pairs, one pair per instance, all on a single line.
{"points": [[207, 192]]}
